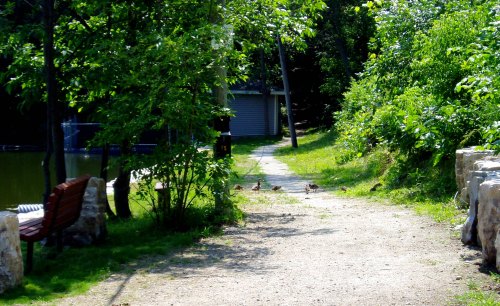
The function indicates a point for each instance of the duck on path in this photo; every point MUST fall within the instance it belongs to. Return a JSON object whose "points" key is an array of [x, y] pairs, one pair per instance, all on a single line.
{"points": [[256, 187], [313, 187]]}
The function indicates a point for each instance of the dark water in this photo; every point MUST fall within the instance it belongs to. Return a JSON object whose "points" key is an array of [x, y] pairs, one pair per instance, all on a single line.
{"points": [[21, 175]]}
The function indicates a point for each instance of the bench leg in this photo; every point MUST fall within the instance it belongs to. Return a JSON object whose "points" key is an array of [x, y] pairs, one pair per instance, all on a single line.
{"points": [[29, 257]]}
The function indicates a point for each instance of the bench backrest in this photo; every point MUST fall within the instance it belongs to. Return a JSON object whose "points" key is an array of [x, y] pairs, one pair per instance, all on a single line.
{"points": [[64, 204]]}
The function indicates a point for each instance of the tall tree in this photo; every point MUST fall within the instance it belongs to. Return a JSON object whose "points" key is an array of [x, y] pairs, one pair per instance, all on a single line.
{"points": [[341, 47], [54, 106], [33, 50]]}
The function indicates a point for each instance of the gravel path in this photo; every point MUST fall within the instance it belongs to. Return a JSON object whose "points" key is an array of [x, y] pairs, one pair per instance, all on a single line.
{"points": [[313, 249]]}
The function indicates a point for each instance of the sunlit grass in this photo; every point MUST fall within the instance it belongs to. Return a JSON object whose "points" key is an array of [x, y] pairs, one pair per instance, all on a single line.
{"points": [[246, 171], [316, 160], [75, 270], [476, 296]]}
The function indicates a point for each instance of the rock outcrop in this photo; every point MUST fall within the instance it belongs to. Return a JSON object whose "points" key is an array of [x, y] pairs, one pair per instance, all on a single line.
{"points": [[472, 168], [464, 165], [489, 218], [91, 226], [11, 261]]}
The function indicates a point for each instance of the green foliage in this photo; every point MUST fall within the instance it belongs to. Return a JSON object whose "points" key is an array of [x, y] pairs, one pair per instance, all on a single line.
{"points": [[429, 87], [358, 106], [343, 29], [258, 22], [483, 81], [397, 23], [190, 178], [142, 66]]}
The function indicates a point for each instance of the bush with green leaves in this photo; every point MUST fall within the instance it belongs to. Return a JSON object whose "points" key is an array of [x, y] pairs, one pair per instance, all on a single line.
{"points": [[431, 85], [191, 179]]}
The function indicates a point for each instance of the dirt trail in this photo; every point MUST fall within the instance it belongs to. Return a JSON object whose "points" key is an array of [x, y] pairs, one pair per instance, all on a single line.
{"points": [[313, 249]]}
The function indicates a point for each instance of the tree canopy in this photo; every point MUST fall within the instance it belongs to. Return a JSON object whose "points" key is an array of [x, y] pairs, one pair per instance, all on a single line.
{"points": [[148, 66], [428, 87]]}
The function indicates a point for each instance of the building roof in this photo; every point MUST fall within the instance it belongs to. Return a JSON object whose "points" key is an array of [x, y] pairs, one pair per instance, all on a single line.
{"points": [[253, 88]]}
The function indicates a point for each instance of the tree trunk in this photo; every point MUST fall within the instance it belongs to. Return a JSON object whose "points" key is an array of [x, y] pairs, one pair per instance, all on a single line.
{"points": [[339, 41], [58, 140], [54, 112], [222, 194], [265, 91], [284, 74], [122, 185], [104, 175], [47, 157]]}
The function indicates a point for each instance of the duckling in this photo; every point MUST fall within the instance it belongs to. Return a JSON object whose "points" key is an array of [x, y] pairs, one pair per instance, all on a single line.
{"points": [[256, 187], [313, 187], [343, 188], [307, 189], [374, 188], [276, 188], [238, 187]]}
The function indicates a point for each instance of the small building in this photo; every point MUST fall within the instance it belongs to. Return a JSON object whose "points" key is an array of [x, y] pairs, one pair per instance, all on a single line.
{"points": [[254, 116]]}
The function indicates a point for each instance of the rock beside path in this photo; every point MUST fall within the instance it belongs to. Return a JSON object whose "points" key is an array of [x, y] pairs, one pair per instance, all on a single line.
{"points": [[11, 260]]}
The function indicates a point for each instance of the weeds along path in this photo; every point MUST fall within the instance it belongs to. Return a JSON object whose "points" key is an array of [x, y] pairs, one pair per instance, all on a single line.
{"points": [[298, 249]]}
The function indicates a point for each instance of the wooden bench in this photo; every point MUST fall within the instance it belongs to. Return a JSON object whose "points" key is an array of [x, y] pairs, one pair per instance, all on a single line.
{"points": [[62, 210]]}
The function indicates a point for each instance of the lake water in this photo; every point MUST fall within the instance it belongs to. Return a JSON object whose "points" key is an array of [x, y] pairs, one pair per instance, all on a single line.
{"points": [[21, 175]]}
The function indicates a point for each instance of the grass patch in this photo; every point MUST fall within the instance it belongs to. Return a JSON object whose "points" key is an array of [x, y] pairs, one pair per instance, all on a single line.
{"points": [[476, 296], [246, 171], [75, 270]]}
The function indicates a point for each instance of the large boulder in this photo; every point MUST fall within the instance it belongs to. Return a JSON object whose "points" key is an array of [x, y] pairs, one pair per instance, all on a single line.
{"points": [[497, 247], [489, 217], [91, 226], [469, 230], [464, 165], [11, 260]]}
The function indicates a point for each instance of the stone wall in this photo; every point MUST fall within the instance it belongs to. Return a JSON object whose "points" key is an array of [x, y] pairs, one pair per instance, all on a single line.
{"points": [[478, 181], [489, 218], [465, 159], [11, 261]]}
